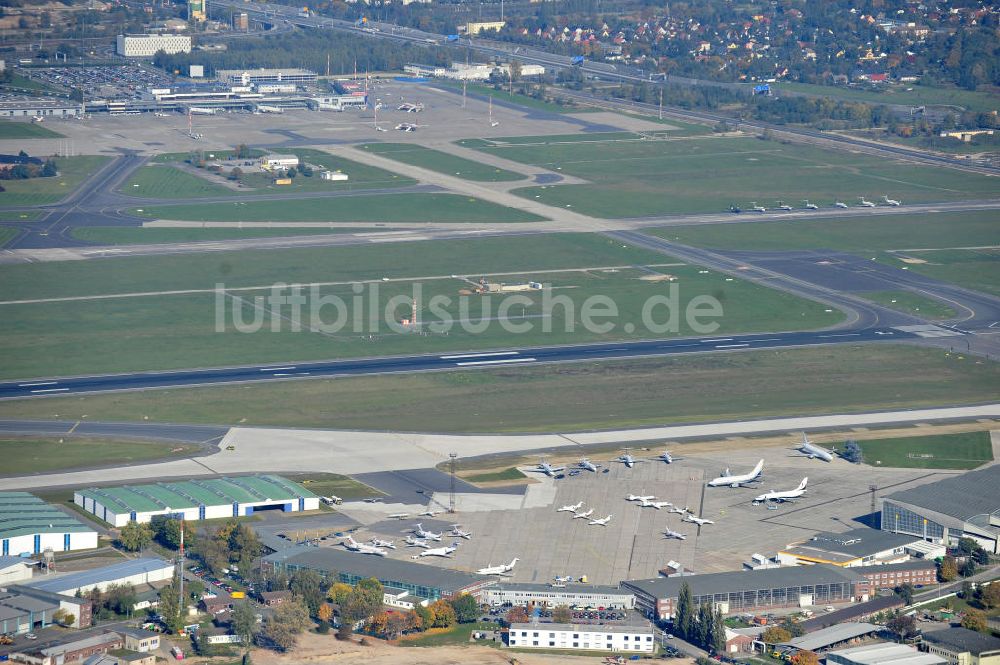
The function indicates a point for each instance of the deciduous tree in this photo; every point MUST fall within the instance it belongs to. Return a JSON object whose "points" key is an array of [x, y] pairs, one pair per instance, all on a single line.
{"points": [[444, 615], [948, 570], [466, 608], [285, 624], [134, 536], [775, 635], [974, 620]]}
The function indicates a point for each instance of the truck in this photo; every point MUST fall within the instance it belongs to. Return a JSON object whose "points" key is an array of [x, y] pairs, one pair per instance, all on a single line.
{"points": [[304, 12], [177, 653], [577, 60]]}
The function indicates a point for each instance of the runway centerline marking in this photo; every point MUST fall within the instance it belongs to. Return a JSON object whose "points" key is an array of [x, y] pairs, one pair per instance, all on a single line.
{"points": [[496, 362], [480, 355]]}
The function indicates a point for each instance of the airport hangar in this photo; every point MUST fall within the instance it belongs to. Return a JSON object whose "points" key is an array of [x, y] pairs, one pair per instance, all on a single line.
{"points": [[740, 591], [963, 506], [196, 499], [338, 565], [134, 572], [28, 526]]}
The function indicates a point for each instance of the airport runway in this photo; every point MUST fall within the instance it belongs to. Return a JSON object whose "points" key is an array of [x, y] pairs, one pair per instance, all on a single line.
{"points": [[62, 386]]}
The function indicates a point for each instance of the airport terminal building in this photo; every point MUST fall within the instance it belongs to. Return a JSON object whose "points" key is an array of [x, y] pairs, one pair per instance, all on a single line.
{"points": [[571, 595], [943, 512], [29, 526], [748, 590], [196, 499]]}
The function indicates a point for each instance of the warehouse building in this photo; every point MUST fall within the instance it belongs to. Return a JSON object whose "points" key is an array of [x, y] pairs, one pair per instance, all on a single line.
{"points": [[950, 509], [632, 639], [916, 572], [740, 591], [841, 635], [146, 46], [278, 162], [417, 579], [882, 653], [147, 570], [29, 526], [23, 609], [14, 569], [963, 646], [196, 499], [572, 595], [857, 547]]}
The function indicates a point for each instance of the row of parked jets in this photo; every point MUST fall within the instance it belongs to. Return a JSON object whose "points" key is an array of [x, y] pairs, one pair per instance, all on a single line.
{"points": [[781, 205]]}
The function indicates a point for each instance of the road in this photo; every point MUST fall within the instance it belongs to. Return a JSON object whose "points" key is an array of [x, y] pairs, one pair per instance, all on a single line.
{"points": [[62, 386]]}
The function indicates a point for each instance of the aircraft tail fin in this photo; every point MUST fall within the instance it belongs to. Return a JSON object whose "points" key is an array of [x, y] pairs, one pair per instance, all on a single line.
{"points": [[758, 469], [802, 485]]}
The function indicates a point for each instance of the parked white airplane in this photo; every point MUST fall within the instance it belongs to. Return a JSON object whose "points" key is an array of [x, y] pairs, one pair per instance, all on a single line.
{"points": [[563, 578], [757, 208], [627, 459], [419, 532], [636, 497], [654, 504], [674, 534], [890, 202], [812, 451], [416, 542], [586, 464], [572, 508], [665, 456], [355, 546], [457, 532], [601, 522], [502, 569], [437, 551], [864, 203], [406, 127], [399, 516], [584, 515], [678, 510], [409, 107], [839, 204], [690, 517], [810, 206], [547, 469], [783, 206], [430, 512], [788, 495], [375, 542], [735, 481]]}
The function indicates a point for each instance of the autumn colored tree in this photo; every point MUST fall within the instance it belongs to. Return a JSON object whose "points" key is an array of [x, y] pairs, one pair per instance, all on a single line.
{"points": [[974, 620], [805, 658], [325, 612], [948, 570], [516, 614], [379, 624], [413, 621], [989, 595], [426, 616], [444, 614], [339, 592], [775, 635]]}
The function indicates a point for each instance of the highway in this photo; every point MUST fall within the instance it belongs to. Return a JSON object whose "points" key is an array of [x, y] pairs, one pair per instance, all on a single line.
{"points": [[62, 386]]}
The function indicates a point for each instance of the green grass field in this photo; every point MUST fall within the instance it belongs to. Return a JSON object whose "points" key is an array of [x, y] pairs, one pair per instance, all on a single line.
{"points": [[19, 215], [972, 268], [442, 162], [39, 191], [865, 234], [496, 476], [640, 178], [6, 235], [942, 451], [140, 333], [12, 129], [917, 95], [911, 303], [138, 235], [162, 178], [458, 634], [24, 455], [569, 397], [327, 484], [439, 208]]}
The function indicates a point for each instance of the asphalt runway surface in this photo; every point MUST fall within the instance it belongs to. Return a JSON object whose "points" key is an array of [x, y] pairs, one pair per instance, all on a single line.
{"points": [[419, 485], [181, 433], [50, 387]]}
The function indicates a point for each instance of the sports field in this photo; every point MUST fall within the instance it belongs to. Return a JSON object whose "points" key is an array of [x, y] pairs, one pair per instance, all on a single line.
{"points": [[642, 177], [11, 129], [570, 397], [451, 208], [911, 303], [442, 162], [168, 177], [138, 235], [24, 455], [942, 451], [141, 331], [39, 191]]}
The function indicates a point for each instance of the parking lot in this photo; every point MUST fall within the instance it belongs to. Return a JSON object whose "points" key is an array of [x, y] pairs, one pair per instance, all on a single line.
{"points": [[118, 82]]}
